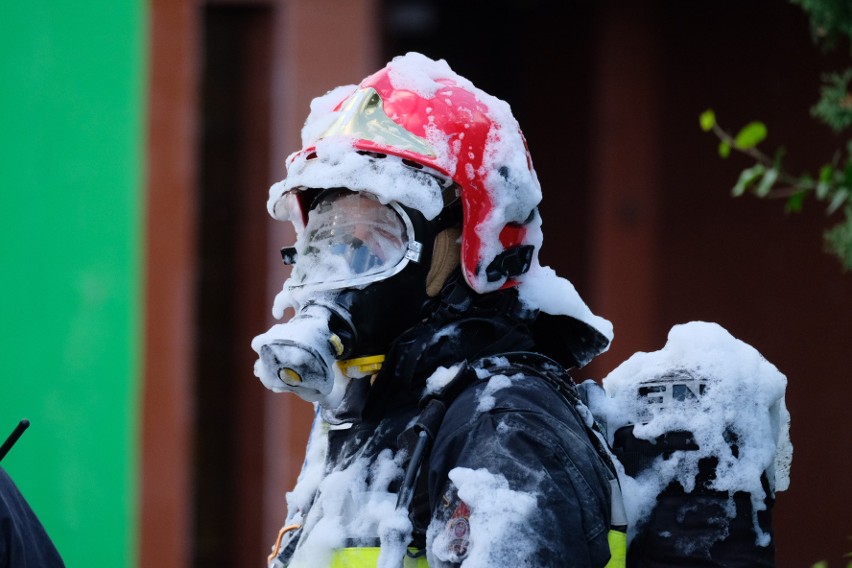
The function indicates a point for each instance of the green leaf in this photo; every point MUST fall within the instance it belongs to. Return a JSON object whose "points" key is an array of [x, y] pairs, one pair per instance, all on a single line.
{"points": [[838, 240], [765, 185], [839, 198], [820, 564], [724, 149], [750, 136], [824, 183], [795, 202], [707, 120], [747, 177], [833, 107]]}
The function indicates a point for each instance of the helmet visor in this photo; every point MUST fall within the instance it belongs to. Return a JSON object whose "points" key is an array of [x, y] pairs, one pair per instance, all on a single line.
{"points": [[350, 239]]}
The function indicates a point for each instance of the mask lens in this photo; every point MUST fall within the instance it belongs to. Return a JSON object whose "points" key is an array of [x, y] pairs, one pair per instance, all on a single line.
{"points": [[350, 238]]}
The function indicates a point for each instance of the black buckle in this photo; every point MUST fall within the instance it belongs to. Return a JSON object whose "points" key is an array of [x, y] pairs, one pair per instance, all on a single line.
{"points": [[510, 262]]}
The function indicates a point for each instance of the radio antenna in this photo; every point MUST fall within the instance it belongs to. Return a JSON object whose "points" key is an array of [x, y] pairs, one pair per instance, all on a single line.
{"points": [[13, 437]]}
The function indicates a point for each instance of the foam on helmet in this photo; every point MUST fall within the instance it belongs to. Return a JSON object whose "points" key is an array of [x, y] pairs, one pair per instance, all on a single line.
{"points": [[508, 188]]}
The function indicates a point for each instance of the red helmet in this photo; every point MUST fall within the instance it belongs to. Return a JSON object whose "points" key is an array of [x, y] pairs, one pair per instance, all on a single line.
{"points": [[416, 114]]}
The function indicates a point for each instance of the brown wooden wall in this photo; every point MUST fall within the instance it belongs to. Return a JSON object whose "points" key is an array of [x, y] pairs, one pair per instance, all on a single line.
{"points": [[230, 84], [636, 213]]}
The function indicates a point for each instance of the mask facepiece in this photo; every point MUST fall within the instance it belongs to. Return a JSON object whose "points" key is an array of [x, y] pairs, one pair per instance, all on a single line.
{"points": [[351, 240], [359, 280], [299, 356], [300, 368]]}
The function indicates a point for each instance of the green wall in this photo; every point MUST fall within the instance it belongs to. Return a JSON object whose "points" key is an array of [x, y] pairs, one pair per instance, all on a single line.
{"points": [[71, 165]]}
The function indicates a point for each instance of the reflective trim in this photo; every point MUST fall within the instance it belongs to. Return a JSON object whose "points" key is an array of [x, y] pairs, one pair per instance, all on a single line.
{"points": [[618, 516], [362, 116], [617, 549], [368, 557]]}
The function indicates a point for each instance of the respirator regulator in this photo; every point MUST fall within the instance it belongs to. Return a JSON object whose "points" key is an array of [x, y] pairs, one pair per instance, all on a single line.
{"points": [[358, 281], [299, 356]]}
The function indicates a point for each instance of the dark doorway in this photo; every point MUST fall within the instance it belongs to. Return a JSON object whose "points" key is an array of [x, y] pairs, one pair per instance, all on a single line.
{"points": [[510, 49], [231, 294]]}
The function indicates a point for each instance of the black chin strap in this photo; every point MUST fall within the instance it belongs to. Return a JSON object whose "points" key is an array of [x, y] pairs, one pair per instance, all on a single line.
{"points": [[460, 326]]}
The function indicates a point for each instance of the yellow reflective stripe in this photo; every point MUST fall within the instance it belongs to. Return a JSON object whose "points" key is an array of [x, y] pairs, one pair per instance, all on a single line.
{"points": [[369, 558], [617, 549], [361, 366]]}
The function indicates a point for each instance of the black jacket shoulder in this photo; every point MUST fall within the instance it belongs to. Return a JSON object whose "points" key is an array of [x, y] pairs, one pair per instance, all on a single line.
{"points": [[23, 540], [513, 423]]}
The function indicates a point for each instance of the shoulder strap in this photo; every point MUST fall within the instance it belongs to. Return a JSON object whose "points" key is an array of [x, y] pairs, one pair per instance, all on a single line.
{"points": [[417, 440], [558, 377]]}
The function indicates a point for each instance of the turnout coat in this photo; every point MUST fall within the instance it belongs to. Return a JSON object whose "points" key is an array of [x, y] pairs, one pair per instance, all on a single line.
{"points": [[513, 474]]}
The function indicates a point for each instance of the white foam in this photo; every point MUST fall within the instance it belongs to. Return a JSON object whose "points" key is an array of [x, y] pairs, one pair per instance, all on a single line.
{"points": [[743, 396]]}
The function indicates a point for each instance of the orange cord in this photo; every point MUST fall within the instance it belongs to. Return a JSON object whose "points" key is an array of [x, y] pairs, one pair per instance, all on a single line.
{"points": [[281, 533]]}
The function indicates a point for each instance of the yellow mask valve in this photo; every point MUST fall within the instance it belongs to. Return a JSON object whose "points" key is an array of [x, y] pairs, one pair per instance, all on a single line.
{"points": [[289, 376], [361, 366]]}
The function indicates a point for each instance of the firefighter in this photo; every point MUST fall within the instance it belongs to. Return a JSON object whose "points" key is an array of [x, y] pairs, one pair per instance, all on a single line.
{"points": [[435, 347]]}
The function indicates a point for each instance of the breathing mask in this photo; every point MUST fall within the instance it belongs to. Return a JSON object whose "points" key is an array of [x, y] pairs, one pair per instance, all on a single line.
{"points": [[358, 281]]}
